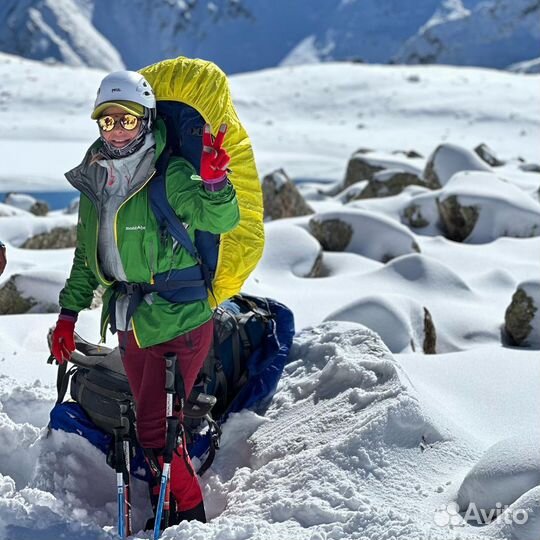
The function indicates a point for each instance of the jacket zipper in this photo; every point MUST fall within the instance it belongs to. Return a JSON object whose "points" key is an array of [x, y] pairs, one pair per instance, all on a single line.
{"points": [[116, 239]]}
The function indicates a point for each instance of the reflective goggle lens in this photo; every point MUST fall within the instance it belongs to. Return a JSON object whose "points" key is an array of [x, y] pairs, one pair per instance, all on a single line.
{"points": [[128, 121]]}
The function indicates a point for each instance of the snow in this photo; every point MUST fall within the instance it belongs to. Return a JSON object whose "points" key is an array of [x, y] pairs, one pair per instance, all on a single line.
{"points": [[450, 159], [505, 472], [367, 438]]}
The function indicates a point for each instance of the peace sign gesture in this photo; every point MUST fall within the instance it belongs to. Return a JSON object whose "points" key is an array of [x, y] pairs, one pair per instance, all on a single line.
{"points": [[214, 159]]}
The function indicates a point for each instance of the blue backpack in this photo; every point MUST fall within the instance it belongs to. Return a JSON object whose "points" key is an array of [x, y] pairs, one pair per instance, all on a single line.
{"points": [[252, 340]]}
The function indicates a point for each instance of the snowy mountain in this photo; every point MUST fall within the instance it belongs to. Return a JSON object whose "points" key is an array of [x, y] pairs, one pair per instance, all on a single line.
{"points": [[454, 34], [367, 437], [241, 35]]}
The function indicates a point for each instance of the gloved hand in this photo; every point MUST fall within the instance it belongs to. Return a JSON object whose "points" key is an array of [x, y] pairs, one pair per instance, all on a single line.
{"points": [[214, 159], [63, 339]]}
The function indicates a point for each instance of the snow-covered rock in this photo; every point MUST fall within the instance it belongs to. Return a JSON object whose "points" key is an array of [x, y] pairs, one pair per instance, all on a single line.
{"points": [[57, 238], [389, 182], [362, 232], [290, 249], [505, 472], [27, 203], [403, 324], [474, 207], [448, 159], [362, 166], [522, 317], [33, 291]]}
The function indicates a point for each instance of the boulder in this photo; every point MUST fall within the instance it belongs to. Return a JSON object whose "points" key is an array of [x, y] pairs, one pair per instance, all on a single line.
{"points": [[389, 182], [12, 302], [332, 234], [366, 233], [359, 168], [447, 160], [487, 154], [522, 319], [413, 216], [57, 238], [457, 221], [430, 334], [408, 153], [530, 167], [281, 197]]}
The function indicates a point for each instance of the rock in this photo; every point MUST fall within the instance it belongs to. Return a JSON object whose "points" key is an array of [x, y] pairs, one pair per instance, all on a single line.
{"points": [[27, 203], [11, 300], [332, 234], [412, 215], [58, 238], [448, 159], [530, 167], [359, 169], [522, 319], [409, 153], [281, 197], [366, 233], [487, 154], [457, 221], [430, 334], [389, 182]]}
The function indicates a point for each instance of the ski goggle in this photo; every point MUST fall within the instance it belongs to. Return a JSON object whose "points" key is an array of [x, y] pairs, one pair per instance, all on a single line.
{"points": [[128, 121]]}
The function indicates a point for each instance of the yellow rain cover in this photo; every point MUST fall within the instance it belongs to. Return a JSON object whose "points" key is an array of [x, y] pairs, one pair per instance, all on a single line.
{"points": [[203, 86]]}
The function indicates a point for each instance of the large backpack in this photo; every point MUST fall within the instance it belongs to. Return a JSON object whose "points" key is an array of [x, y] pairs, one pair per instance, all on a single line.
{"points": [[251, 344], [190, 93]]}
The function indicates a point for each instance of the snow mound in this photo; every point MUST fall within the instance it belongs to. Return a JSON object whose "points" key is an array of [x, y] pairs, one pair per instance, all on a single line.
{"points": [[503, 209], [41, 288], [521, 521], [288, 249], [338, 405], [398, 319], [449, 159], [505, 472], [498, 208], [392, 238], [427, 273]]}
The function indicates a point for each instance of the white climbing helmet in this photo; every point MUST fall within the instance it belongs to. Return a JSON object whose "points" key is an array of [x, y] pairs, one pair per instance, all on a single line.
{"points": [[124, 86]]}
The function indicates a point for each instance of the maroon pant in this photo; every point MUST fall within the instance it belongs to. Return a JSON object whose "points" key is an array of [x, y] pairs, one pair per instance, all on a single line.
{"points": [[145, 369]]}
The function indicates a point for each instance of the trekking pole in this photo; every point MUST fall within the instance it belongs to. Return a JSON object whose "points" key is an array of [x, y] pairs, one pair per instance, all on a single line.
{"points": [[122, 465], [120, 486], [163, 509], [125, 408]]}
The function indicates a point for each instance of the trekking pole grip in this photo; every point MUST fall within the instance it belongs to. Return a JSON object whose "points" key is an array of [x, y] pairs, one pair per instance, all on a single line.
{"points": [[170, 372]]}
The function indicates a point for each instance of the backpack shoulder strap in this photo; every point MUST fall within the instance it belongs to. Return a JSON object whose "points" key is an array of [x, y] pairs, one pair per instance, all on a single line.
{"points": [[163, 210]]}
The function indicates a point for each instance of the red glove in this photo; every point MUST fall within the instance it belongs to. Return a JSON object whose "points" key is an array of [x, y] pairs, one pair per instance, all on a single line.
{"points": [[63, 339], [214, 159]]}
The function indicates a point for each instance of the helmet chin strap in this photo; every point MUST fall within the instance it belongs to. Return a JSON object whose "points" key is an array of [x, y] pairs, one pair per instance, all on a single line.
{"points": [[113, 152]]}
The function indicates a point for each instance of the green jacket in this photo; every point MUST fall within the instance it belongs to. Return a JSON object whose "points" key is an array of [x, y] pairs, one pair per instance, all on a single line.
{"points": [[142, 252]]}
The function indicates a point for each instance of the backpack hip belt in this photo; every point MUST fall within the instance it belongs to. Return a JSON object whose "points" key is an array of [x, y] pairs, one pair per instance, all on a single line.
{"points": [[170, 285]]}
